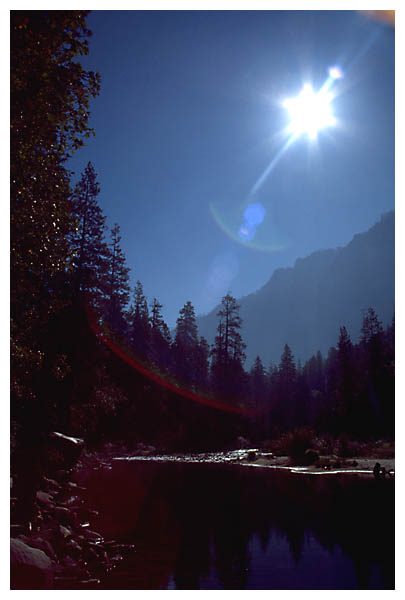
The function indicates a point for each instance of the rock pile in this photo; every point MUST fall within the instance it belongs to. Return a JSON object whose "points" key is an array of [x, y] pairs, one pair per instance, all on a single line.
{"points": [[57, 549]]}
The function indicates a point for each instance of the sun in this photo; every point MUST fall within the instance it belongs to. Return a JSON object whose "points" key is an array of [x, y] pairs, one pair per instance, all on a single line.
{"points": [[309, 112]]}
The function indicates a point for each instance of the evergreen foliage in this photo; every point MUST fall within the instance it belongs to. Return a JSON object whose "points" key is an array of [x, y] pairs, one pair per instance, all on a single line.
{"points": [[185, 346], [160, 338], [138, 316], [228, 376], [50, 94], [89, 251], [117, 284]]}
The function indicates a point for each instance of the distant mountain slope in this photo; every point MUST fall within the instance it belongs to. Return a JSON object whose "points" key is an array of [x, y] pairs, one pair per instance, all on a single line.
{"points": [[305, 305]]}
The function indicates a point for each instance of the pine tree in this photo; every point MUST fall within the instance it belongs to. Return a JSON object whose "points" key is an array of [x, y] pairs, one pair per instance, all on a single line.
{"points": [[287, 369], [50, 93], [185, 345], [258, 401], [186, 329], [89, 251], [345, 391], [377, 367], [284, 408], [229, 378], [160, 339], [371, 326], [320, 371], [314, 380], [257, 383], [139, 329], [117, 283], [229, 346]]}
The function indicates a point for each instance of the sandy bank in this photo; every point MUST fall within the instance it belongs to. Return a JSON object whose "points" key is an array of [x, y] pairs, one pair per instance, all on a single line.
{"points": [[255, 458]]}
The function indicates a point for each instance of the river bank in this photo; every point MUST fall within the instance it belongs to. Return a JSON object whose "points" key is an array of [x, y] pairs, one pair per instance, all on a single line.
{"points": [[70, 552], [324, 464]]}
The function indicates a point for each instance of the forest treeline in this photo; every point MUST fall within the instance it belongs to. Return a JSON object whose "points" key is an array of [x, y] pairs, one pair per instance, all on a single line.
{"points": [[92, 357]]}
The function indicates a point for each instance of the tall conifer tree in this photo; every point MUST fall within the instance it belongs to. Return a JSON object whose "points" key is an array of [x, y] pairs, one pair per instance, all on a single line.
{"points": [[160, 339], [89, 251], [185, 345], [117, 283], [50, 94], [284, 408], [229, 378], [139, 329]]}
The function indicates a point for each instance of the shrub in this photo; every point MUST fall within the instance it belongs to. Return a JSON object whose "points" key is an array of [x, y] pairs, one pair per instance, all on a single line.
{"points": [[298, 441]]}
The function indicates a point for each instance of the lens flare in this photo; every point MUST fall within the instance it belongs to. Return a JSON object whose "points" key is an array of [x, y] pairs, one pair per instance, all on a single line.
{"points": [[335, 72], [266, 238], [252, 217], [309, 112], [161, 379]]}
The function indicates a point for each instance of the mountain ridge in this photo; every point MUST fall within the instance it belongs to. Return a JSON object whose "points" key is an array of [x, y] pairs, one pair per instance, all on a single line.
{"points": [[305, 305]]}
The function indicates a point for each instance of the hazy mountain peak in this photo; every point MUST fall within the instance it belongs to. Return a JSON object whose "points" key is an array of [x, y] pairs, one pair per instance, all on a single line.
{"points": [[305, 305]]}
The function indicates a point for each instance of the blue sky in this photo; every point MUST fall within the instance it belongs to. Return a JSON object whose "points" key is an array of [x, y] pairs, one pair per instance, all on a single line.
{"points": [[189, 118]]}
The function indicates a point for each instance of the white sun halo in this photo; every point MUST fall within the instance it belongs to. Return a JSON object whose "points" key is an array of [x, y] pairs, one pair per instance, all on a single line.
{"points": [[309, 112]]}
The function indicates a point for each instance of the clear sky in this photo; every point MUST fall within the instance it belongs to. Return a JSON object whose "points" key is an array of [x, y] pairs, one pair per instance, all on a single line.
{"points": [[191, 143]]}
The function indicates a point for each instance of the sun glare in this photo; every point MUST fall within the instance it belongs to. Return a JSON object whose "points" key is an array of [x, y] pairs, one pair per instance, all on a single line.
{"points": [[309, 112]]}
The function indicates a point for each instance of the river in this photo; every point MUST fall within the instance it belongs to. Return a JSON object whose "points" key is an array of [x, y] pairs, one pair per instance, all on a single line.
{"points": [[228, 526]]}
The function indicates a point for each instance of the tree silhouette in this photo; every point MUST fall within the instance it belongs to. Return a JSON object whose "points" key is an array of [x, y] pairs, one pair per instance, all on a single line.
{"points": [[50, 94], [138, 316], [377, 363], [284, 406], [228, 355], [160, 339], [185, 345], [258, 396], [117, 284], [89, 251], [345, 385]]}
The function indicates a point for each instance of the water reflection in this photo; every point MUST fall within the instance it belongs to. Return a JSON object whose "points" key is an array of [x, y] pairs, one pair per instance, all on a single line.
{"points": [[199, 526]]}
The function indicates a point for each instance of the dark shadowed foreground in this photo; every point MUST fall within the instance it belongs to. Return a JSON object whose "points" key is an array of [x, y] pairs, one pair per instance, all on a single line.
{"points": [[207, 526]]}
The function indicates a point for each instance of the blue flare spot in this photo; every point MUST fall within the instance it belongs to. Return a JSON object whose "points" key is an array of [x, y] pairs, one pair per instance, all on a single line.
{"points": [[254, 214], [247, 232], [252, 217]]}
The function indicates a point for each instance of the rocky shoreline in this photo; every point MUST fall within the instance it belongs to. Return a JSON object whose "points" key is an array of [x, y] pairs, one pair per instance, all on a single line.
{"points": [[61, 532], [255, 458], [58, 549]]}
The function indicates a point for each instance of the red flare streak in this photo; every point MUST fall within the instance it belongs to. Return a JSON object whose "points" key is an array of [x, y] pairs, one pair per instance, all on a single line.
{"points": [[141, 368]]}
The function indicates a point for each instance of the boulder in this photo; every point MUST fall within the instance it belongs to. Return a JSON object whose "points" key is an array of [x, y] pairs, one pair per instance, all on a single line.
{"points": [[92, 535], [64, 515], [65, 531], [44, 498], [40, 543], [30, 568], [252, 455]]}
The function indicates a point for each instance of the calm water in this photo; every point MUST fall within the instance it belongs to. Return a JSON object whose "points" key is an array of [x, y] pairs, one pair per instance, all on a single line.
{"points": [[210, 526]]}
